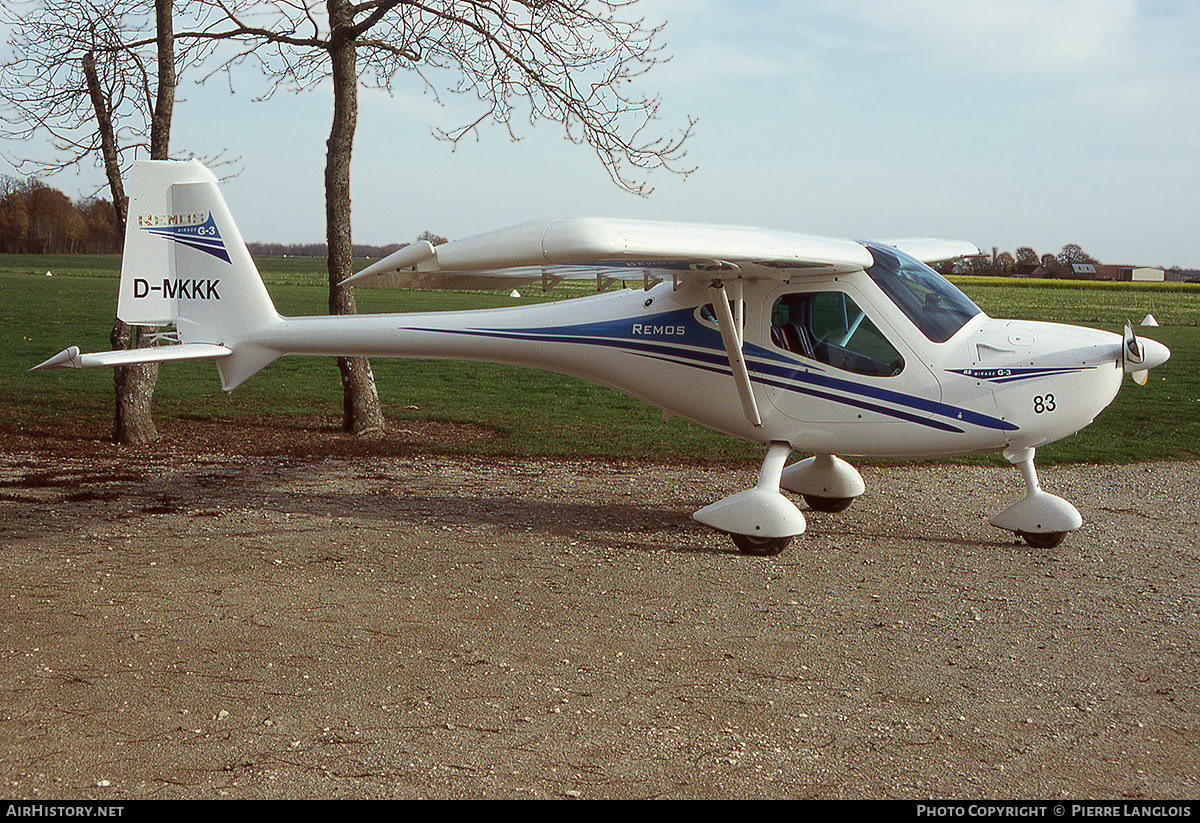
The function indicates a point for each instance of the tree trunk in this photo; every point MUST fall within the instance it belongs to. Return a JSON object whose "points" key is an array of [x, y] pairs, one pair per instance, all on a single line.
{"points": [[164, 103], [133, 423], [362, 413], [133, 386]]}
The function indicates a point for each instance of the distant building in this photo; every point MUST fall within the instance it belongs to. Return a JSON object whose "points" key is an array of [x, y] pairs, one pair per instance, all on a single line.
{"points": [[1104, 271], [1144, 273]]}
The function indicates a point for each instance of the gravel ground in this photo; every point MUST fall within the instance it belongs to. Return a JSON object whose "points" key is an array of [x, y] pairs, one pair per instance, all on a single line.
{"points": [[279, 613]]}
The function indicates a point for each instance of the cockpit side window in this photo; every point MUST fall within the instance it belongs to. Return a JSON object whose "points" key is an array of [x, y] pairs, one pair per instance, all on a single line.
{"points": [[931, 302], [830, 328]]}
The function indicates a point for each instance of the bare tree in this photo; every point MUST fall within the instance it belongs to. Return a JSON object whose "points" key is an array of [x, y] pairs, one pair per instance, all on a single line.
{"points": [[1072, 254], [560, 60], [77, 81], [1026, 261]]}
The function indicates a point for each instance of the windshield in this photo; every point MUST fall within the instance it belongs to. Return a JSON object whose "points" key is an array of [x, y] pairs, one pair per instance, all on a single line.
{"points": [[929, 300]]}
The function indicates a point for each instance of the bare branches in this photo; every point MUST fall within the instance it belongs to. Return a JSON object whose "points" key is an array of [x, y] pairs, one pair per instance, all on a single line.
{"points": [[45, 85], [575, 63], [565, 62]]}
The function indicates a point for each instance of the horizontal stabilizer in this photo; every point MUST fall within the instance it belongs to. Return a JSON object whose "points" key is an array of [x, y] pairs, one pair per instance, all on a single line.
{"points": [[72, 358]]}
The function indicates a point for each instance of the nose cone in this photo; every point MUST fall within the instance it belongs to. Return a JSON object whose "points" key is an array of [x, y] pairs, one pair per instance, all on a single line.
{"points": [[1153, 353], [1140, 354]]}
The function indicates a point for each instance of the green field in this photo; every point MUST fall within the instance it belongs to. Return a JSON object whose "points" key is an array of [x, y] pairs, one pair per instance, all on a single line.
{"points": [[537, 413]]}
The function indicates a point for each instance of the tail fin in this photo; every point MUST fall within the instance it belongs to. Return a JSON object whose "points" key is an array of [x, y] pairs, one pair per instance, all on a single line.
{"points": [[185, 264]]}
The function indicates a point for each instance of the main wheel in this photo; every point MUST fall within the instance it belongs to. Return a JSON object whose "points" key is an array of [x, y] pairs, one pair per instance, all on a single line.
{"points": [[760, 546], [827, 504], [1045, 540]]}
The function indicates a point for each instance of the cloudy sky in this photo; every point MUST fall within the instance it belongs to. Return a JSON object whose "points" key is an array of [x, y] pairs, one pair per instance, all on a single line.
{"points": [[1002, 122]]}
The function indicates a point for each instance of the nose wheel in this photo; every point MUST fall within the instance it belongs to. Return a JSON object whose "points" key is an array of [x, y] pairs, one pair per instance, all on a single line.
{"points": [[1040, 519]]}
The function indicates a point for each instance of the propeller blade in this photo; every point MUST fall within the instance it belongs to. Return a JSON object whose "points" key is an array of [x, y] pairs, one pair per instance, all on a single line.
{"points": [[1133, 355], [1133, 347]]}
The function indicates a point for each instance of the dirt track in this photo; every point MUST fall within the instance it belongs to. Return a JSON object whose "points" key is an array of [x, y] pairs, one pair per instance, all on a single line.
{"points": [[244, 621]]}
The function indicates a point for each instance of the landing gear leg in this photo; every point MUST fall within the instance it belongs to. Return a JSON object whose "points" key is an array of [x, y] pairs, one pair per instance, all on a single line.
{"points": [[761, 520], [1041, 519]]}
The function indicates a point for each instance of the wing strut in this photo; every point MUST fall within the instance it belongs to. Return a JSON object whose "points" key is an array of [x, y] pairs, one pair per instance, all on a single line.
{"points": [[731, 333]]}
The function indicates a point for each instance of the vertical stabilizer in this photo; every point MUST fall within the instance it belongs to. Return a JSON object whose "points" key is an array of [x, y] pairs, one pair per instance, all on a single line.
{"points": [[185, 264]]}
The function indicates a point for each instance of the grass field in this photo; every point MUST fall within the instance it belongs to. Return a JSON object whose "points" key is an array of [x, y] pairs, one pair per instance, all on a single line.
{"points": [[539, 413]]}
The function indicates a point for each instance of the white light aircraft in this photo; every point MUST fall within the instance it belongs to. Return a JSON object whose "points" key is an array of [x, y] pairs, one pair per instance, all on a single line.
{"points": [[832, 347]]}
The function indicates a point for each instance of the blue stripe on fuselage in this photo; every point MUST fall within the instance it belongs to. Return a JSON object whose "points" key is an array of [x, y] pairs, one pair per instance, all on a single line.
{"points": [[678, 338]]}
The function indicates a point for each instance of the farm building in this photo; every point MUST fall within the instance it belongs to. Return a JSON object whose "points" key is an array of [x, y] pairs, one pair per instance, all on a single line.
{"points": [[1103, 271]]}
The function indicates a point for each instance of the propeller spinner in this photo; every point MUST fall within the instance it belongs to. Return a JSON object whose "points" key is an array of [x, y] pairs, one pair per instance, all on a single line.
{"points": [[1138, 356]]}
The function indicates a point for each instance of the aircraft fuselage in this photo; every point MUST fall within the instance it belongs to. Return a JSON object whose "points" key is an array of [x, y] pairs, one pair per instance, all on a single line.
{"points": [[993, 384]]}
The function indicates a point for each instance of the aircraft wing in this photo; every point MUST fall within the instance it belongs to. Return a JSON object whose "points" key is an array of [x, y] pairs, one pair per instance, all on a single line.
{"points": [[594, 248], [933, 249]]}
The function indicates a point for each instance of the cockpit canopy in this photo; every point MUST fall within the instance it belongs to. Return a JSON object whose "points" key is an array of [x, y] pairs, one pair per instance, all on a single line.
{"points": [[930, 301]]}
